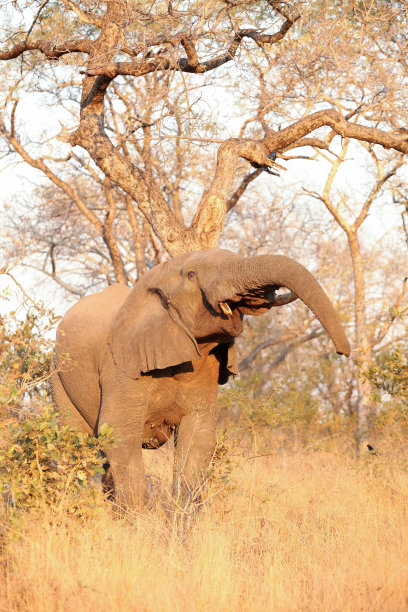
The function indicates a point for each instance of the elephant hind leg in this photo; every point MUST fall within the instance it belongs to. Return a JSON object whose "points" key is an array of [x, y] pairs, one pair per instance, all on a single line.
{"points": [[68, 414]]}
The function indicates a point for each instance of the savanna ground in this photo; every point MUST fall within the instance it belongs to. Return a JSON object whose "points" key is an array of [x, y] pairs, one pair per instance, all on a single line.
{"points": [[289, 524]]}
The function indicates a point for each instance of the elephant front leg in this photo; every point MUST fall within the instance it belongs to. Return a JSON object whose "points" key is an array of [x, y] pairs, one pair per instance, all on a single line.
{"points": [[194, 447], [125, 459], [127, 470]]}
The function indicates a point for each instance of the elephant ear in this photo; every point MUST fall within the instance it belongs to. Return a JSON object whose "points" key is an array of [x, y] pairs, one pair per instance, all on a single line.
{"points": [[144, 337], [228, 359]]}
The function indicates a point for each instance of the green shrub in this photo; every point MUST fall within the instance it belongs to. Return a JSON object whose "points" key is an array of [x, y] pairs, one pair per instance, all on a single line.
{"points": [[290, 409], [41, 464], [44, 464], [25, 358], [389, 376]]}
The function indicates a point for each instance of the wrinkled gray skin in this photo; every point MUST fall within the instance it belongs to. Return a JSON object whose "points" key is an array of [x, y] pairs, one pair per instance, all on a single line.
{"points": [[150, 358]]}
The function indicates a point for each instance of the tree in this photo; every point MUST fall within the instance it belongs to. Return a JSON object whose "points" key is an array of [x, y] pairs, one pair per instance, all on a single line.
{"points": [[122, 41]]}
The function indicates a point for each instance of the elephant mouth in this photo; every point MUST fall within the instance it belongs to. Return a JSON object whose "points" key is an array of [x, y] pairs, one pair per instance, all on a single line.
{"points": [[229, 319], [256, 302]]}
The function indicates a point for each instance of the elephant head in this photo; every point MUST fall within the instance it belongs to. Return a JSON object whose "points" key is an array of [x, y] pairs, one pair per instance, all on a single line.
{"points": [[202, 296]]}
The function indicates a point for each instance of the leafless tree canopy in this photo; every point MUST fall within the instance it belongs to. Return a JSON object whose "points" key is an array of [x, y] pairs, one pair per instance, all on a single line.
{"points": [[289, 58]]}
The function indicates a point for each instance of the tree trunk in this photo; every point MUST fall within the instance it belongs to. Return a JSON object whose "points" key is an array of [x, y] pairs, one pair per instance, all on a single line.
{"points": [[364, 408]]}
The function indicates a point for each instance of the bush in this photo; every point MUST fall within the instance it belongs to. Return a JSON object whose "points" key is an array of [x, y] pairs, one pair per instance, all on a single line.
{"points": [[389, 376], [25, 358], [291, 411], [41, 464], [44, 464]]}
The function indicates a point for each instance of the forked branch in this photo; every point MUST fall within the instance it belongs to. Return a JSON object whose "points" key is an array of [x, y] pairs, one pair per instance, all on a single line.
{"points": [[210, 216]]}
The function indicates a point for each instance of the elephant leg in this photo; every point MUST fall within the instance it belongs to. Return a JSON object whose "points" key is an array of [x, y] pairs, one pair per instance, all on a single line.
{"points": [[194, 447], [126, 470], [68, 414]]}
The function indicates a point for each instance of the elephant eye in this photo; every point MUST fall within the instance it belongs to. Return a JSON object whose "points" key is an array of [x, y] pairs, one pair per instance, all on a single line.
{"points": [[191, 273]]}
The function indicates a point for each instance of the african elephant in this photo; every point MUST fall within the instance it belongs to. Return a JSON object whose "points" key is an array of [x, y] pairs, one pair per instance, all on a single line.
{"points": [[150, 358]]}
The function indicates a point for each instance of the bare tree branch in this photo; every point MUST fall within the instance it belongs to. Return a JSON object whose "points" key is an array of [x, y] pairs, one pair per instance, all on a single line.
{"points": [[247, 180], [50, 50], [83, 15], [394, 313], [38, 13], [249, 359], [191, 63], [40, 165]]}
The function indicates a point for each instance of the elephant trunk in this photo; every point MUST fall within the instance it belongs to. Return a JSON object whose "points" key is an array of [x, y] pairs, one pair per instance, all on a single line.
{"points": [[243, 278]]}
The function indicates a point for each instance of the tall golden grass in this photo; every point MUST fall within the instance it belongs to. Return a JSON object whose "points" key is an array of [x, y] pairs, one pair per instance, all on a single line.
{"points": [[300, 530]]}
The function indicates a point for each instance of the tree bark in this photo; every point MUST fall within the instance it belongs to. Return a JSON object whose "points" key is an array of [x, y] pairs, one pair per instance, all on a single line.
{"points": [[363, 347]]}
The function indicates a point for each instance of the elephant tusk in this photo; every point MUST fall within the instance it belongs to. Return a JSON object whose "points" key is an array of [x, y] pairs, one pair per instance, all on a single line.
{"points": [[225, 308]]}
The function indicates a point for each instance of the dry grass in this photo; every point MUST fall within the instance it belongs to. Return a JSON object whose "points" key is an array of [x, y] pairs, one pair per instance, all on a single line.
{"points": [[302, 531]]}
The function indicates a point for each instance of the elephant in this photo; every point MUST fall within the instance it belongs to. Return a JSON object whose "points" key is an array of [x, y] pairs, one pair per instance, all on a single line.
{"points": [[150, 358]]}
